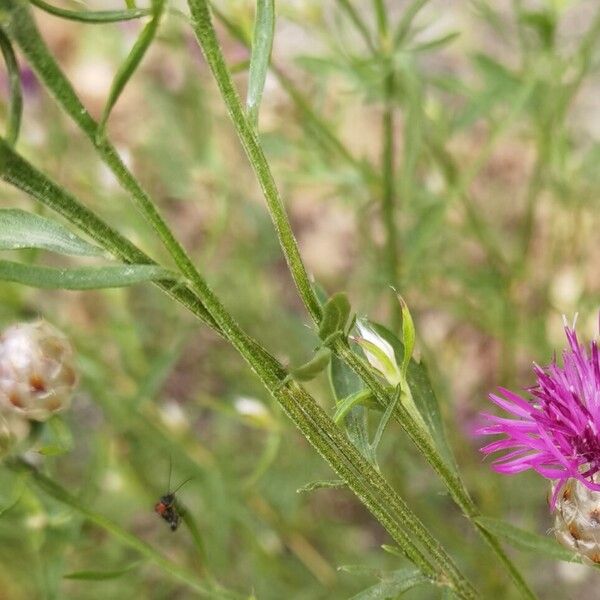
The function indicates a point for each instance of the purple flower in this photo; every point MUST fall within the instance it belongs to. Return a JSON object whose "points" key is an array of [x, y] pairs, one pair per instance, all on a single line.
{"points": [[556, 431]]}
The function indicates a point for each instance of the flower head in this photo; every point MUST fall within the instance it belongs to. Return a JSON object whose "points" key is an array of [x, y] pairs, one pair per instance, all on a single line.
{"points": [[556, 431], [37, 372]]}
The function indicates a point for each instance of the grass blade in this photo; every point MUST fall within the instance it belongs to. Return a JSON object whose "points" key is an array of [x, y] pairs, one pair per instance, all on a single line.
{"points": [[262, 42], [81, 278], [21, 229]]}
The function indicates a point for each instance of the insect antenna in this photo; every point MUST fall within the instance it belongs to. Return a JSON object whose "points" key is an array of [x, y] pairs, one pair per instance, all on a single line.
{"points": [[170, 469], [181, 485]]}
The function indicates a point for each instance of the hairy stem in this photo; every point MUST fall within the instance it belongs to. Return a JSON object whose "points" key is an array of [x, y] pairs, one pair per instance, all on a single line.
{"points": [[317, 427], [207, 39]]}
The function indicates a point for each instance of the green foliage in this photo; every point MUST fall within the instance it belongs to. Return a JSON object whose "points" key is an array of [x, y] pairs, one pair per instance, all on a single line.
{"points": [[15, 108], [262, 42], [131, 63], [82, 278], [91, 16], [526, 540], [460, 169], [21, 229]]}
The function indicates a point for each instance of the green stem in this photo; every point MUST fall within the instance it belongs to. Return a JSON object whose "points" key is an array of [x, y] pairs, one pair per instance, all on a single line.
{"points": [[15, 107], [425, 444], [389, 197], [207, 39], [368, 485], [23, 29], [320, 125], [210, 46]]}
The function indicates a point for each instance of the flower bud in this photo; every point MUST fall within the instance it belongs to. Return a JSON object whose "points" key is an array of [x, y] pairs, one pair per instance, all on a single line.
{"points": [[37, 374], [379, 352], [577, 519]]}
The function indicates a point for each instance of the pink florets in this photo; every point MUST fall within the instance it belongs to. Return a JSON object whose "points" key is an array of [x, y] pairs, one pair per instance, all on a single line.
{"points": [[556, 431]]}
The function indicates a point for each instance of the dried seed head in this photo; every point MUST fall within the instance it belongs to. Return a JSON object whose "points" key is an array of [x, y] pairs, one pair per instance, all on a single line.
{"points": [[577, 519], [37, 373]]}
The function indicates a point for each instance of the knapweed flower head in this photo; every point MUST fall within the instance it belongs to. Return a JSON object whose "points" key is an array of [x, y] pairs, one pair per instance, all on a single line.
{"points": [[37, 372], [556, 429]]}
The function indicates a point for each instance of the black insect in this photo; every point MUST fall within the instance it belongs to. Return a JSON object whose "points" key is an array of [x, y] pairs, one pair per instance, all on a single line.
{"points": [[166, 507]]}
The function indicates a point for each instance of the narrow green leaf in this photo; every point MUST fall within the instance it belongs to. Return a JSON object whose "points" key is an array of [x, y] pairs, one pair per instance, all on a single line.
{"points": [[21, 229], [392, 585], [56, 438], [436, 43], [364, 397], [360, 570], [262, 42], [91, 16], [102, 575], [15, 496], [526, 540], [131, 63], [15, 107], [82, 278], [344, 384], [385, 419], [322, 484], [314, 366], [405, 22], [429, 407], [335, 315], [408, 334], [385, 590], [423, 395], [393, 550]]}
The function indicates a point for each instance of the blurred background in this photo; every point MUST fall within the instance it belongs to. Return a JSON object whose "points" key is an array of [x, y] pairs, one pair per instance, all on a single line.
{"points": [[496, 192]]}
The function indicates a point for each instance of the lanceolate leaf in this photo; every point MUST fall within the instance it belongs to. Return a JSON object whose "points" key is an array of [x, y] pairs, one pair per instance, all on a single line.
{"points": [[345, 383], [102, 575], [92, 16], [423, 395], [526, 540], [314, 366], [56, 438], [335, 315], [132, 62], [392, 585], [21, 229], [262, 42], [82, 278], [323, 484], [429, 407]]}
